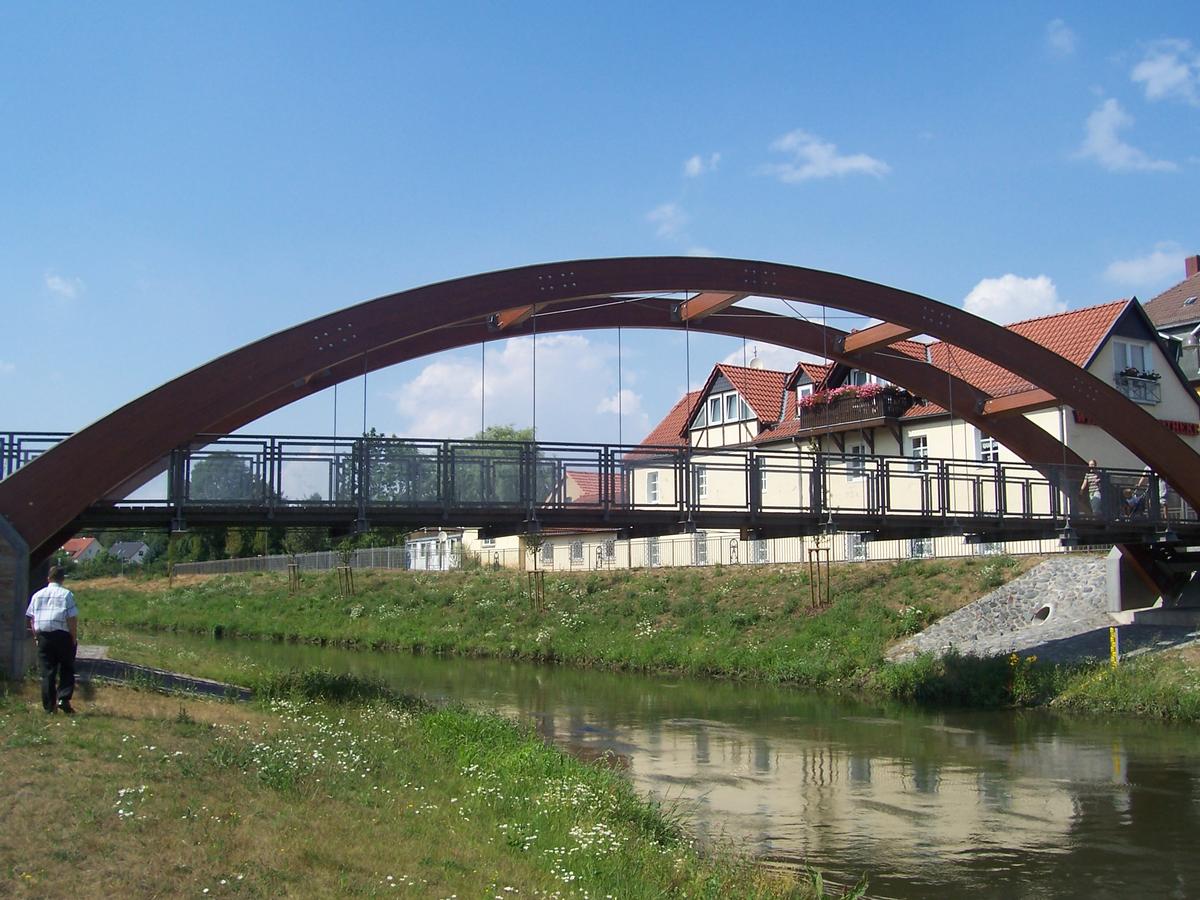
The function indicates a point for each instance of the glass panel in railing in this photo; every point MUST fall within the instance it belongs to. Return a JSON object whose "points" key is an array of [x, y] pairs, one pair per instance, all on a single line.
{"points": [[226, 472]]}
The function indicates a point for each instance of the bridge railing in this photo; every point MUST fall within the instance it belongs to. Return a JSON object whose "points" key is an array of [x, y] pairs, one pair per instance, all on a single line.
{"points": [[18, 448], [432, 478], [436, 476]]}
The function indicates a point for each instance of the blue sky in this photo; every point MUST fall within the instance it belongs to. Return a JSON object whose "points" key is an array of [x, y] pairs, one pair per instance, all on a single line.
{"points": [[178, 180]]}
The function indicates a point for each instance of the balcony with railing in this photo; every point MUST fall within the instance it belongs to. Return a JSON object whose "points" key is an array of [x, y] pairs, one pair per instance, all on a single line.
{"points": [[852, 406], [1140, 387]]}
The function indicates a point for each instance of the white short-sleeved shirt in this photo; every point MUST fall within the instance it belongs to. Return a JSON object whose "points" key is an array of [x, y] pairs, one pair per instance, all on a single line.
{"points": [[51, 607]]}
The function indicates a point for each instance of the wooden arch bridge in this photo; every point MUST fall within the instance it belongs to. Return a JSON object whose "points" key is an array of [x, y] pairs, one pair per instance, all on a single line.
{"points": [[44, 502]]}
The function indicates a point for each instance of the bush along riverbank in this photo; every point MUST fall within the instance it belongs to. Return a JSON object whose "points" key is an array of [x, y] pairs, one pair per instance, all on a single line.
{"points": [[329, 786]]}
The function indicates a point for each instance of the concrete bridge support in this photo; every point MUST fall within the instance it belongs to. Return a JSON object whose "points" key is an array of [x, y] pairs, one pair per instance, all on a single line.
{"points": [[15, 646], [1139, 575]]}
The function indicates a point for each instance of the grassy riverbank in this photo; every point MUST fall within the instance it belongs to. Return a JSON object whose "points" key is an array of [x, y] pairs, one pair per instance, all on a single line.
{"points": [[330, 787], [752, 622]]}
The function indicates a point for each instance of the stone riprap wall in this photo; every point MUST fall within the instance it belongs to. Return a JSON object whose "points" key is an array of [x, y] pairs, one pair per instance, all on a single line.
{"points": [[1002, 622]]}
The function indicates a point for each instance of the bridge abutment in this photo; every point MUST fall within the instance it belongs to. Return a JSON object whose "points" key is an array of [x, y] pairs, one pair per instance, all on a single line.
{"points": [[15, 652]]}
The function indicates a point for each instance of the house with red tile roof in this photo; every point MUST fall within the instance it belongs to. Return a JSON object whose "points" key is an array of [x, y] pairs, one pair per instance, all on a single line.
{"points": [[853, 416], [856, 420], [81, 549]]}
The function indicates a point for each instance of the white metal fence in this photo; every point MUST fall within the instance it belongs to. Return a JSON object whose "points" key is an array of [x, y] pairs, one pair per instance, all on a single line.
{"points": [[665, 552]]}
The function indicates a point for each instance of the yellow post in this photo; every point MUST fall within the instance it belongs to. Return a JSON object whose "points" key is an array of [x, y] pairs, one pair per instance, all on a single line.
{"points": [[1114, 652]]}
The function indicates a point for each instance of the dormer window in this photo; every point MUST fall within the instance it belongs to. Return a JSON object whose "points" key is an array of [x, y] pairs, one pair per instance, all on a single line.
{"points": [[724, 407], [714, 411], [802, 391], [858, 378]]}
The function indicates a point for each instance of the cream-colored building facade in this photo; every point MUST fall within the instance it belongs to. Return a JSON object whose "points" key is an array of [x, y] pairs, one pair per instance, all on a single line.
{"points": [[775, 422]]}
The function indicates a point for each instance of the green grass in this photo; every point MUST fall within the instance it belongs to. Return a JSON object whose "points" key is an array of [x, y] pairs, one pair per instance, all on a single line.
{"points": [[750, 623], [330, 787], [753, 622], [1162, 685]]}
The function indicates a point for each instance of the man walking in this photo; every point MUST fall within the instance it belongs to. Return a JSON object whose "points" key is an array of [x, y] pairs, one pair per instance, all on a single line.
{"points": [[53, 620]]}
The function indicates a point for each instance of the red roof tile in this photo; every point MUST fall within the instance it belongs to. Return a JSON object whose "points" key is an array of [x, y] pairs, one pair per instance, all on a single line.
{"points": [[587, 486], [75, 546], [816, 372], [762, 389], [1075, 335], [669, 432]]}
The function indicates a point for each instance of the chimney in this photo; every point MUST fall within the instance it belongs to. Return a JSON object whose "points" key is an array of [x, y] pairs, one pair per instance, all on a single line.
{"points": [[1191, 266]]}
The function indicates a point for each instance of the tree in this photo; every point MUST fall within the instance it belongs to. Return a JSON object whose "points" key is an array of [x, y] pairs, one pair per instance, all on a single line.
{"points": [[398, 471], [491, 474], [224, 476]]}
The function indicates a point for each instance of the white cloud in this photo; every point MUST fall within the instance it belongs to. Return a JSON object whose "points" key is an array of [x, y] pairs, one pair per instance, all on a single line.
{"points": [[7, 368], [1060, 39], [629, 403], [64, 286], [697, 165], [1102, 143], [668, 219], [574, 374], [1170, 70], [1011, 298], [812, 158], [1159, 266], [700, 251]]}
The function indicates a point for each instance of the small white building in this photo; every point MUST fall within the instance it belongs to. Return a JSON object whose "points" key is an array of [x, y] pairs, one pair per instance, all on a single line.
{"points": [[433, 551]]}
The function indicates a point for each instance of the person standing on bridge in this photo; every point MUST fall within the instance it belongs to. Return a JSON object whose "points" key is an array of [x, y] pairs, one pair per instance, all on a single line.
{"points": [[1092, 488], [53, 621]]}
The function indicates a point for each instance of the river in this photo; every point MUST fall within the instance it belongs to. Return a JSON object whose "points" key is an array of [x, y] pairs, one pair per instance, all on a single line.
{"points": [[928, 803]]}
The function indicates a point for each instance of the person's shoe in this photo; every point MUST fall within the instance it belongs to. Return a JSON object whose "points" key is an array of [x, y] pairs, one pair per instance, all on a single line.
{"points": [[66, 707]]}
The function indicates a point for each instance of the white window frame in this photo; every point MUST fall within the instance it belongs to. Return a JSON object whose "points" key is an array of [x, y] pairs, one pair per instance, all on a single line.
{"points": [[653, 554], [758, 550], [488, 542], [856, 462], [700, 473], [700, 548], [1122, 353], [858, 378], [576, 552], [920, 547], [547, 553], [731, 400], [919, 451], [715, 404], [762, 474], [651, 487], [988, 448], [802, 391]]}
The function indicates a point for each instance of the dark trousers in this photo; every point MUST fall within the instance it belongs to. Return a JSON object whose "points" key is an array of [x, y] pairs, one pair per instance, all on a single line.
{"points": [[56, 658]]}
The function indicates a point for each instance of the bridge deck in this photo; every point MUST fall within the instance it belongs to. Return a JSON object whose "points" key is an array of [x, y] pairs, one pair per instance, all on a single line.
{"points": [[506, 488]]}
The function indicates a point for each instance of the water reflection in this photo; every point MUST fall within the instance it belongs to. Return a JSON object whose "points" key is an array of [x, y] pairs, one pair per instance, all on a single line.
{"points": [[931, 804]]}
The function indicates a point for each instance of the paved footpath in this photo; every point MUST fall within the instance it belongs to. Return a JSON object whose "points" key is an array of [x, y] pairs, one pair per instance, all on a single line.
{"points": [[91, 661], [1076, 627]]}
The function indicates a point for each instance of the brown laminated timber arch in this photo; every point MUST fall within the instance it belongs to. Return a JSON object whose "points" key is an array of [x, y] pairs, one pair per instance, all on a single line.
{"points": [[43, 498]]}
